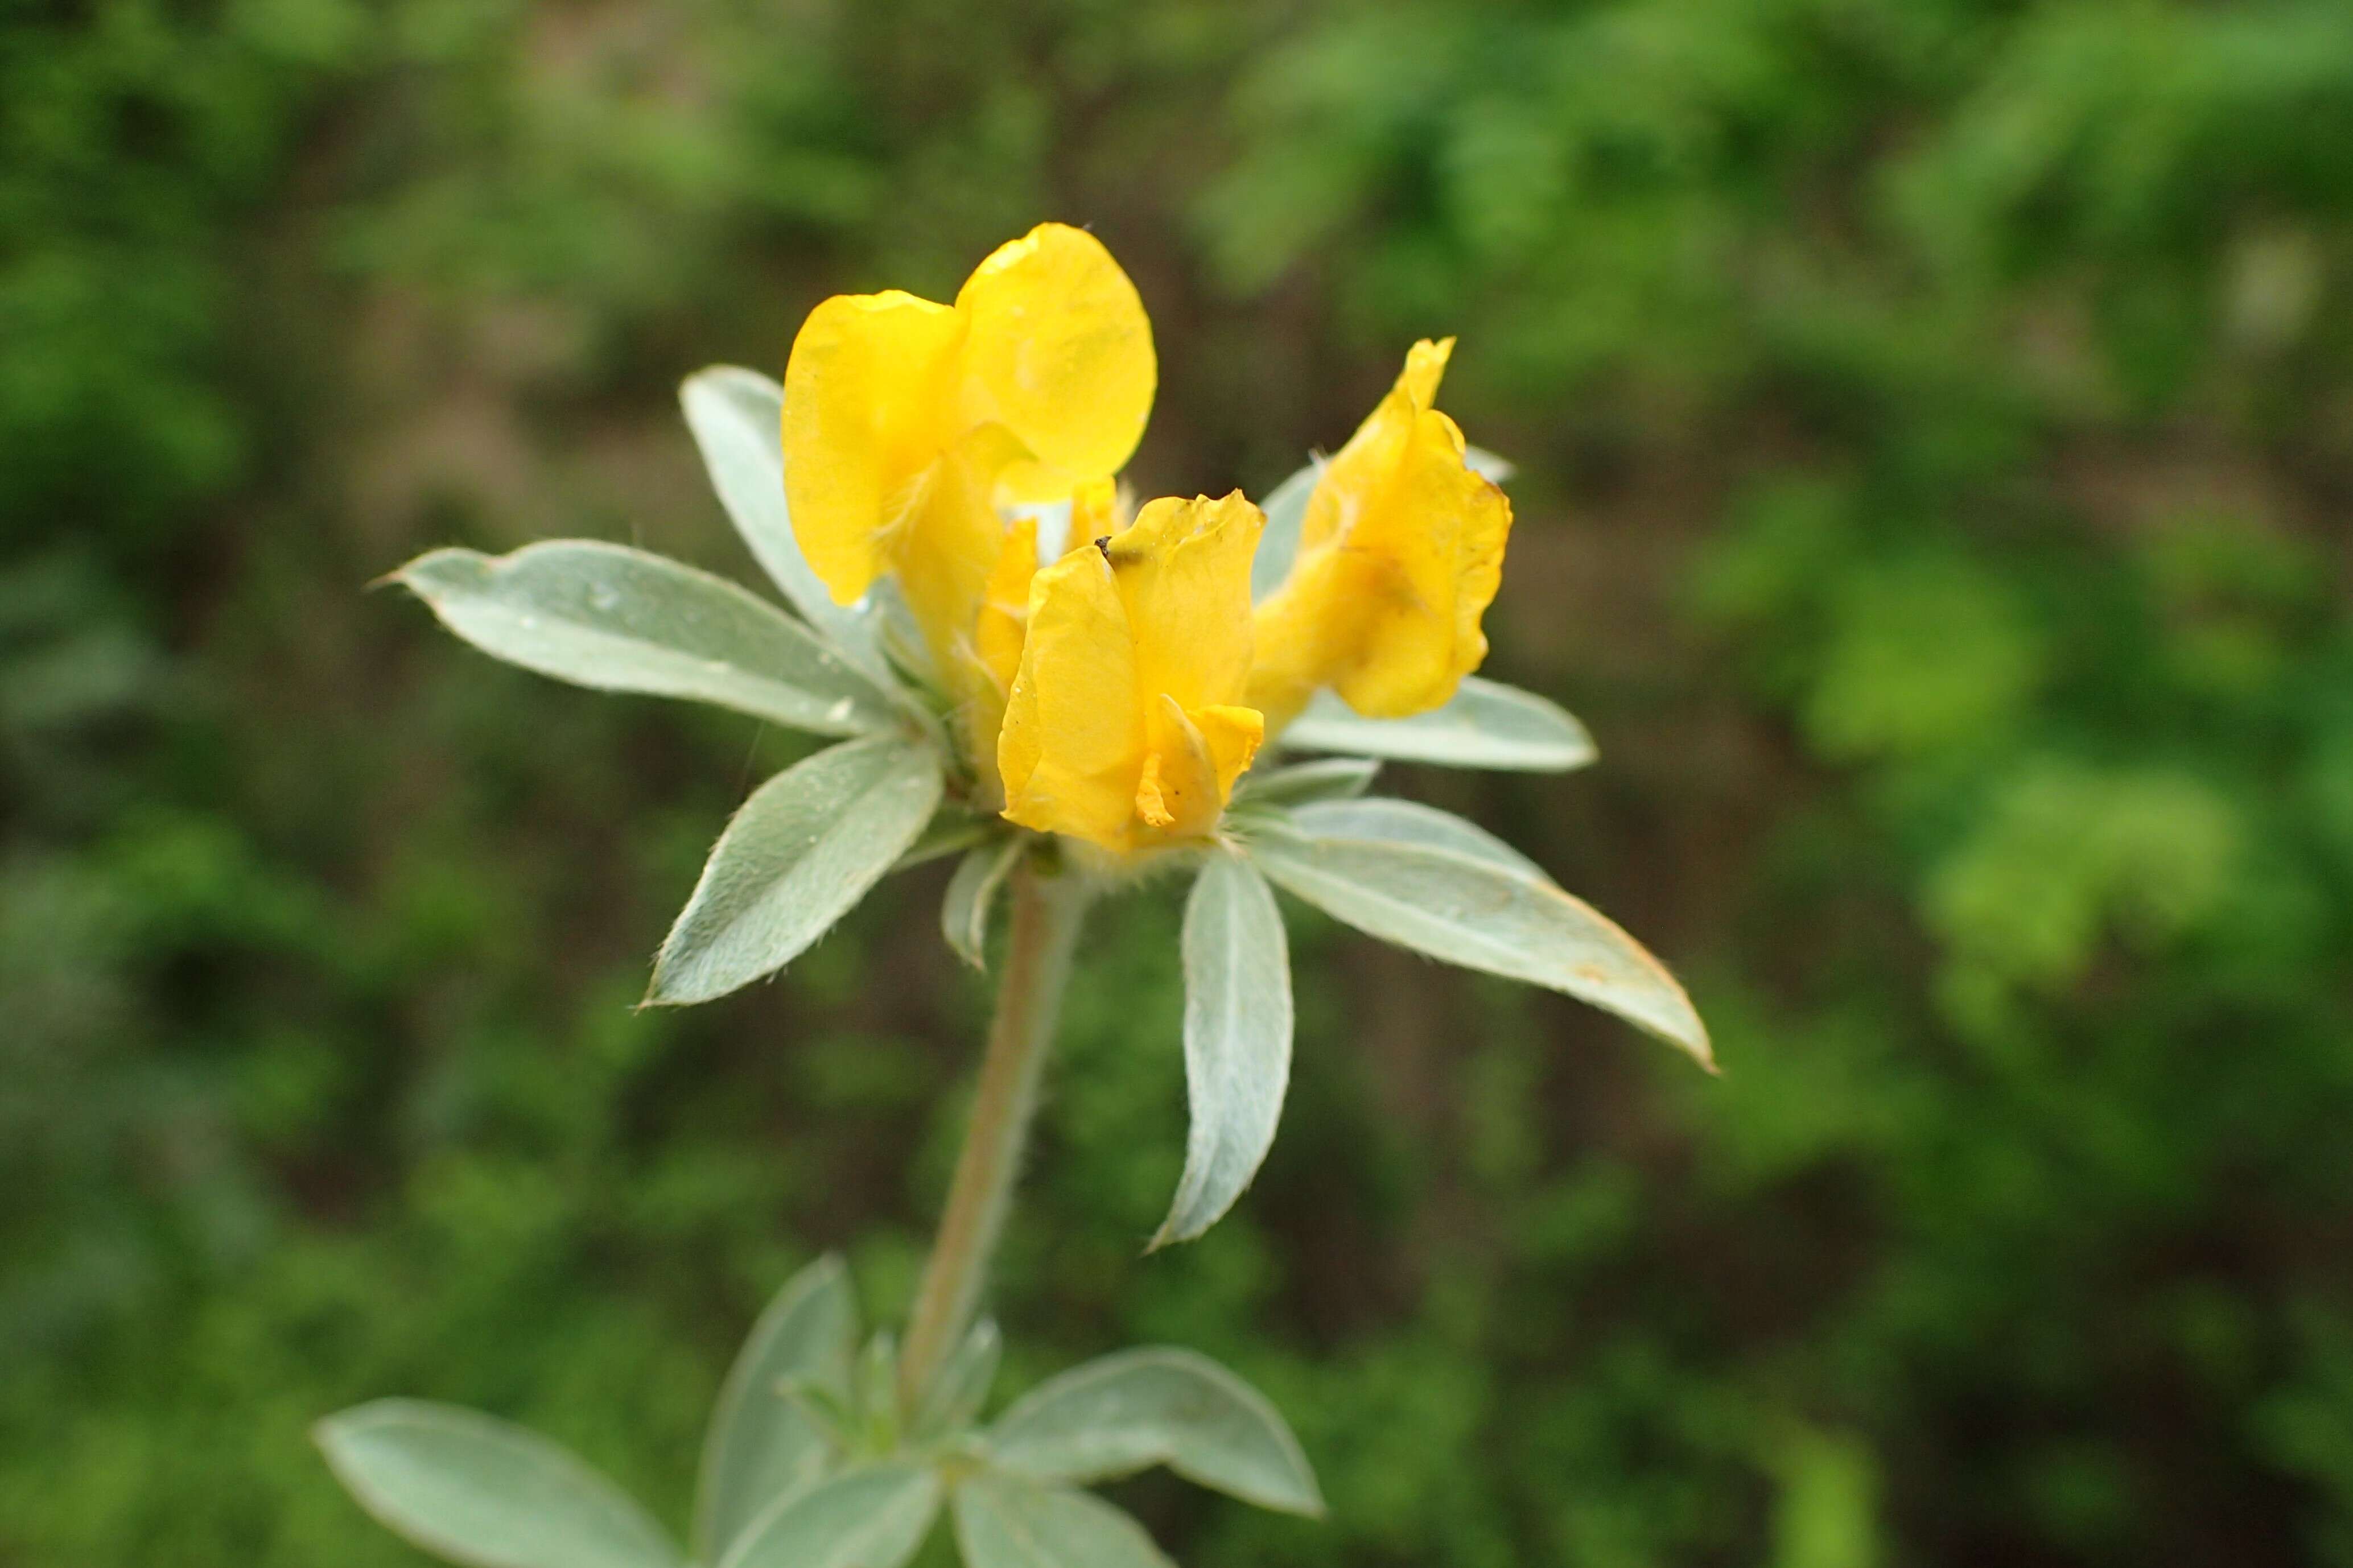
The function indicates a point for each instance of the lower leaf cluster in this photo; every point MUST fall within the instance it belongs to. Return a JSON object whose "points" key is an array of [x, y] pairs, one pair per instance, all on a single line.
{"points": [[812, 1461]]}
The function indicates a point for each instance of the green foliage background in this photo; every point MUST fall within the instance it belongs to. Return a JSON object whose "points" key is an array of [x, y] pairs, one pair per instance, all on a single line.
{"points": [[1937, 428]]}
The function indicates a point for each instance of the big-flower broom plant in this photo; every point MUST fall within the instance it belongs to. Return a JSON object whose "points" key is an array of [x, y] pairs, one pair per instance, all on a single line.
{"points": [[1077, 695]]}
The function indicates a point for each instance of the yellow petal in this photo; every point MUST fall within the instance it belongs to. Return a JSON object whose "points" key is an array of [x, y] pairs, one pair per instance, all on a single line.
{"points": [[1363, 466], [1192, 762], [1431, 559], [1004, 615], [1151, 806], [1094, 514], [1179, 792], [1401, 552], [1124, 722], [993, 658], [1059, 350], [1425, 367], [1072, 749], [1005, 606], [1182, 569], [1233, 735], [866, 393], [945, 544]]}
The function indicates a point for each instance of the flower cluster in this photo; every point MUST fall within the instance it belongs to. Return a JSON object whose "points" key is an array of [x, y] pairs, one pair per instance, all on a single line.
{"points": [[1114, 689]]}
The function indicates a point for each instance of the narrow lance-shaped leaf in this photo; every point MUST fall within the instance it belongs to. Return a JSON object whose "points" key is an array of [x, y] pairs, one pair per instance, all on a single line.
{"points": [[737, 418], [1326, 778], [1482, 913], [874, 1385], [972, 893], [1004, 1522], [616, 619], [1390, 820], [1237, 1041], [1485, 725], [800, 852], [871, 1517], [1490, 466], [484, 1493], [951, 828], [761, 1443], [900, 635], [1158, 1406], [961, 1385]]}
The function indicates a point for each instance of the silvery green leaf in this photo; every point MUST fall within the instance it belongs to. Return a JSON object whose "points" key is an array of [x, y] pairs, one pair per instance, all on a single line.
{"points": [[1237, 1041], [762, 1442], [1408, 822], [737, 418], [799, 853], [951, 828], [1482, 913], [1286, 509], [900, 636], [961, 1385], [616, 619], [1158, 1406], [1495, 470], [1486, 725], [874, 1384], [826, 1405], [484, 1493], [1326, 778], [874, 1516], [972, 894], [1004, 1522]]}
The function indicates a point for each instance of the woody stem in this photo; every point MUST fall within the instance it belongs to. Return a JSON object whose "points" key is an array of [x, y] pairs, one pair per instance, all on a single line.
{"points": [[1047, 909]]}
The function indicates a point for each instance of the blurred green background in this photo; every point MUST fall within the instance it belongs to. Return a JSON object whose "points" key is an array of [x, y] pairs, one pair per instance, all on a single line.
{"points": [[1936, 421]]}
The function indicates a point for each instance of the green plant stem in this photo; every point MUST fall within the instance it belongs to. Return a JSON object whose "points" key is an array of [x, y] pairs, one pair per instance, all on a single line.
{"points": [[1048, 910]]}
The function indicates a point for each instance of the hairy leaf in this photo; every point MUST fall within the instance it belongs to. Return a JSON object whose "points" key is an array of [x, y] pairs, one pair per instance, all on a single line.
{"points": [[616, 619], [1490, 466], [800, 852], [1327, 778], [761, 1443], [1004, 1522], [1486, 725], [1395, 821], [951, 828], [485, 1492], [960, 1387], [1158, 1406], [972, 893], [871, 1517], [1237, 1041], [1482, 913]]}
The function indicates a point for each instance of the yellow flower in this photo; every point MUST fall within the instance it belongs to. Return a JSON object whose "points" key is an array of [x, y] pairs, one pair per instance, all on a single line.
{"points": [[1113, 694], [1125, 725], [1400, 554], [908, 422]]}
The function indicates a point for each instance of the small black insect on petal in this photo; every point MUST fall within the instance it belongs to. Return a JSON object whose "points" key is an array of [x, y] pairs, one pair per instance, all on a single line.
{"points": [[1103, 544]]}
